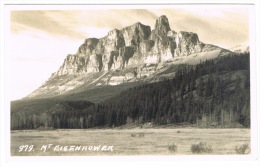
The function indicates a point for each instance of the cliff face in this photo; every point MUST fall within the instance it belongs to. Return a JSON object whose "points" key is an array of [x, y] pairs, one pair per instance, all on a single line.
{"points": [[184, 39], [135, 47], [131, 46], [79, 62], [164, 45], [110, 52]]}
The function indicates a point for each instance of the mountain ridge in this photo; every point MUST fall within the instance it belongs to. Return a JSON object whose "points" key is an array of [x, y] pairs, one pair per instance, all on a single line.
{"points": [[240, 49], [136, 50]]}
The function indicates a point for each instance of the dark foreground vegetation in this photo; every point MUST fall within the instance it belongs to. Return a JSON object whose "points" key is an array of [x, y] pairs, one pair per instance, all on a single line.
{"points": [[214, 93]]}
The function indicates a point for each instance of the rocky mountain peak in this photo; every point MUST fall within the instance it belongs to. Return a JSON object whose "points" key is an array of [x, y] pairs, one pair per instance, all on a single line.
{"points": [[88, 46], [133, 47], [187, 43], [162, 26], [136, 33], [188, 36], [113, 32]]}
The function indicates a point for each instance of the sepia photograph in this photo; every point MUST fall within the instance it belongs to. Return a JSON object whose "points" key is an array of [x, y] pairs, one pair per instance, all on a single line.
{"points": [[129, 80]]}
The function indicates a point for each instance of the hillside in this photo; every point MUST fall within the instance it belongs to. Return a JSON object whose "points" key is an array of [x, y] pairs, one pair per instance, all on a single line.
{"points": [[213, 93]]}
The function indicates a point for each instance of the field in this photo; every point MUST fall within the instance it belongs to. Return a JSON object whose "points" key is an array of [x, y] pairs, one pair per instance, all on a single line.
{"points": [[125, 141]]}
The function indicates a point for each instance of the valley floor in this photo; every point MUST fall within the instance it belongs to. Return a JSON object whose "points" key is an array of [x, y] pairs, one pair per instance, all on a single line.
{"points": [[78, 142]]}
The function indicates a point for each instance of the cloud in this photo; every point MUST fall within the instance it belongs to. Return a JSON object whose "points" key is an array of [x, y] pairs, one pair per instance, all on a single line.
{"points": [[220, 25], [41, 20], [71, 23], [77, 24]]}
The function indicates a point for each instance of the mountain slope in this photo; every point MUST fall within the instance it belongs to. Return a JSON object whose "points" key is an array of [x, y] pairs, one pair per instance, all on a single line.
{"points": [[127, 55], [240, 49], [212, 93]]}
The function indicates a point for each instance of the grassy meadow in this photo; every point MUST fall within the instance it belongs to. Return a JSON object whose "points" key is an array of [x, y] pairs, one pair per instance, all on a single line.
{"points": [[128, 141]]}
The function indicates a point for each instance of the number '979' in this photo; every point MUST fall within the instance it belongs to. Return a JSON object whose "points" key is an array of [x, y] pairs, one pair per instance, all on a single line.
{"points": [[26, 148]]}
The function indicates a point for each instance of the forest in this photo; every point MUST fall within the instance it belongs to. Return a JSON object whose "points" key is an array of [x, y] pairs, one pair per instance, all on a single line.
{"points": [[213, 93]]}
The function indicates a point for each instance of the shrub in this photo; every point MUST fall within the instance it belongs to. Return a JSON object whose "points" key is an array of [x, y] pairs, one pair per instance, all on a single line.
{"points": [[178, 131], [202, 147], [133, 135], [243, 149], [141, 134], [173, 148]]}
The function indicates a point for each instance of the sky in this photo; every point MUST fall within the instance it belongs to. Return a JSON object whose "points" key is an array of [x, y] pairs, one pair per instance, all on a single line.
{"points": [[37, 41]]}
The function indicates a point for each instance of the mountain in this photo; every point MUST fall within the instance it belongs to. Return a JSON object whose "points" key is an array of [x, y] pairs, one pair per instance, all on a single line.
{"points": [[135, 76], [240, 49], [214, 93], [133, 54]]}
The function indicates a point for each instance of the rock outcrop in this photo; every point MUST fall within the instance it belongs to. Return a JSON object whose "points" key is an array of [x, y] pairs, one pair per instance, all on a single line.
{"points": [[135, 34], [131, 46], [164, 44], [187, 43], [134, 47]]}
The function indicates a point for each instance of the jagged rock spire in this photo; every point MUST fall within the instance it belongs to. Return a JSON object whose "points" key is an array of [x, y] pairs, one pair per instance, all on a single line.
{"points": [[162, 26]]}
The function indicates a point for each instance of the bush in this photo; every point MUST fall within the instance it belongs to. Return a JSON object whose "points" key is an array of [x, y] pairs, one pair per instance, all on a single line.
{"points": [[243, 149], [141, 134], [173, 148], [133, 135], [201, 148]]}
